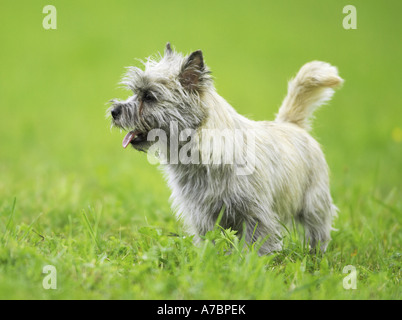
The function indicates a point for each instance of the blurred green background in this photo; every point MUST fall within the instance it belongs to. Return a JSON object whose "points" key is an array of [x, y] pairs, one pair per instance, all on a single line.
{"points": [[58, 154]]}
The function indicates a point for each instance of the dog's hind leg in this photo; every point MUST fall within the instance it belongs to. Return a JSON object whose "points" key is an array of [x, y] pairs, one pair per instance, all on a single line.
{"points": [[317, 216]]}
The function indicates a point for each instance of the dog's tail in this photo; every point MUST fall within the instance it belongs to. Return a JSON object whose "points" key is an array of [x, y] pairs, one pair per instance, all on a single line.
{"points": [[313, 85]]}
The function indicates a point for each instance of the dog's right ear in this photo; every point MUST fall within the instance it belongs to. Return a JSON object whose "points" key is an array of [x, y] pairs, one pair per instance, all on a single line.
{"points": [[168, 49], [192, 71]]}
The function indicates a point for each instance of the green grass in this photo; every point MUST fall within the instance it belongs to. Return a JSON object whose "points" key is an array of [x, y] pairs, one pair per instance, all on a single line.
{"points": [[71, 197]]}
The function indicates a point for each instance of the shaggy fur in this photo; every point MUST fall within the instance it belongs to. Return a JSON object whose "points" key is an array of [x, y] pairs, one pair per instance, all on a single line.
{"points": [[288, 176]]}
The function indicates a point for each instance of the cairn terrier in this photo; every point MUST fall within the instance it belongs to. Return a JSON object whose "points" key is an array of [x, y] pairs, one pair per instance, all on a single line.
{"points": [[273, 174]]}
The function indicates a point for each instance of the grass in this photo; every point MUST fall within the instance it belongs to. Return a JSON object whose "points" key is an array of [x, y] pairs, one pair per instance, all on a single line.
{"points": [[72, 198]]}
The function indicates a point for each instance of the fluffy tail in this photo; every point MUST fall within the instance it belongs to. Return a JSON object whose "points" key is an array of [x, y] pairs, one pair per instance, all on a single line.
{"points": [[313, 85]]}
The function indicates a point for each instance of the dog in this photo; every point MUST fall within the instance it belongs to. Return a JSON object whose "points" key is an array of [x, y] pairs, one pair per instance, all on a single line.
{"points": [[283, 176]]}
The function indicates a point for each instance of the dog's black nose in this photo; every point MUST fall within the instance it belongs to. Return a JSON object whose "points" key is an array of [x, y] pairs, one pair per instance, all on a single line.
{"points": [[116, 111]]}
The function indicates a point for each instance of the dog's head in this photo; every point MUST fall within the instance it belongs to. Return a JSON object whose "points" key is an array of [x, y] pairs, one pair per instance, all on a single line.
{"points": [[168, 89]]}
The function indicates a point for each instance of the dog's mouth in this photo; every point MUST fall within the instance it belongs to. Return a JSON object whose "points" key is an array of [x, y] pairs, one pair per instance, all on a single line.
{"points": [[134, 137]]}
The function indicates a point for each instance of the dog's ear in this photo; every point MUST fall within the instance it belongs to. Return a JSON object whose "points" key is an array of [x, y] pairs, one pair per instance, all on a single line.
{"points": [[168, 49], [192, 71]]}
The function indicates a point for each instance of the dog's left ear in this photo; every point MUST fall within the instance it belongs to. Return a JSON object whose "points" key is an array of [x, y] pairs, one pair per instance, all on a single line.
{"points": [[168, 49], [192, 70]]}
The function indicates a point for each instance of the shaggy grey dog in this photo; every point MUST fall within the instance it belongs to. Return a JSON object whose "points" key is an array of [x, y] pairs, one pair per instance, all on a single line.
{"points": [[273, 173]]}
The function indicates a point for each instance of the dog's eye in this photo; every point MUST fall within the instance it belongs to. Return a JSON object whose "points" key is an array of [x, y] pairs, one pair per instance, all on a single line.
{"points": [[148, 97]]}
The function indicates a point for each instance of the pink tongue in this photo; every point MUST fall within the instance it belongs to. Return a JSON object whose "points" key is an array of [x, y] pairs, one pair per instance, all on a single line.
{"points": [[128, 138]]}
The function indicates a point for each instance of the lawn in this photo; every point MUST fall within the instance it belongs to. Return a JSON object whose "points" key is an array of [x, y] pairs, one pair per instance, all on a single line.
{"points": [[73, 198]]}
